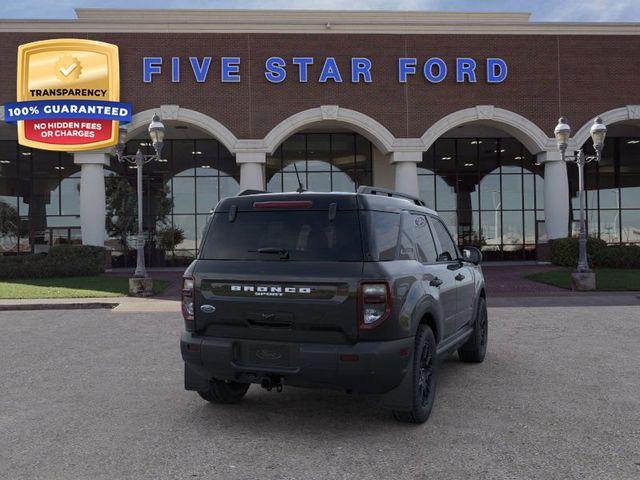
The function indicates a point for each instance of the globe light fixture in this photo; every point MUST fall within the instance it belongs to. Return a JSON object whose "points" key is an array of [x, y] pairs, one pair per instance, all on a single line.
{"points": [[598, 133], [562, 133], [156, 133]]}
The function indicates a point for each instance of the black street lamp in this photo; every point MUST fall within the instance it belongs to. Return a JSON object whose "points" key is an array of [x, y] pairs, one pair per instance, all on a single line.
{"points": [[598, 132], [156, 133]]}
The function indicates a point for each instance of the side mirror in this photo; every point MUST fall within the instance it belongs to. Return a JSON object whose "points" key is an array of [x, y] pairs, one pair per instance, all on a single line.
{"points": [[472, 254], [444, 257]]}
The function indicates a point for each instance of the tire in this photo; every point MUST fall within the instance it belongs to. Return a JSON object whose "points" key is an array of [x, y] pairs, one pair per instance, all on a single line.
{"points": [[424, 378], [224, 392], [475, 349]]}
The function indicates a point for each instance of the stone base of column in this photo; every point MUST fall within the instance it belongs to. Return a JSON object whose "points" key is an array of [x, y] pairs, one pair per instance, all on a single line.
{"points": [[141, 286], [583, 281]]}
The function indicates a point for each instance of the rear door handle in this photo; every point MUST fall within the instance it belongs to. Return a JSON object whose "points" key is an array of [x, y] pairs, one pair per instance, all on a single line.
{"points": [[459, 277], [435, 282]]}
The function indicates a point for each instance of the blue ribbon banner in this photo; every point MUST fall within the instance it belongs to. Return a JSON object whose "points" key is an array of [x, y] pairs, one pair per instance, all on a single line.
{"points": [[67, 109]]}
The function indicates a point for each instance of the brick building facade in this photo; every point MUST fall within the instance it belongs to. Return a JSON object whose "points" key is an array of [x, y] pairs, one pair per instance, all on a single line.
{"points": [[399, 129]]}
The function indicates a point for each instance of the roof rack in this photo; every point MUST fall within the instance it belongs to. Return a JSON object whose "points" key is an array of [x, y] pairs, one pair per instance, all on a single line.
{"points": [[390, 193]]}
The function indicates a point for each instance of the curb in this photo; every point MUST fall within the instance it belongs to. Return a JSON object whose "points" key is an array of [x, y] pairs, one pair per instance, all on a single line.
{"points": [[57, 306]]}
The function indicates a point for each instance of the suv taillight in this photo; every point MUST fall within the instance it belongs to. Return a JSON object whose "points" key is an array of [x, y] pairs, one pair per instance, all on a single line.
{"points": [[374, 304], [187, 303]]}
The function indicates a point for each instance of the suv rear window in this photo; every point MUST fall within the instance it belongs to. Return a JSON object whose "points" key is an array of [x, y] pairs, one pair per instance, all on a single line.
{"points": [[303, 235]]}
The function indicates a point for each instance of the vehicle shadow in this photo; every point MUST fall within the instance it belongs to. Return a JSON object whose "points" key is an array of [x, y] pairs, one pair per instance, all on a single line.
{"points": [[316, 411]]}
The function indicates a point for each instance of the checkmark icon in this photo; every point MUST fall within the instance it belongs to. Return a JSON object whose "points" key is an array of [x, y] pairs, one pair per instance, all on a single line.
{"points": [[68, 68], [66, 71]]}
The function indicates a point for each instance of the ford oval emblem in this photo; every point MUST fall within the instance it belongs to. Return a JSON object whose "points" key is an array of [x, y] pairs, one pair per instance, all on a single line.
{"points": [[264, 354], [207, 309]]}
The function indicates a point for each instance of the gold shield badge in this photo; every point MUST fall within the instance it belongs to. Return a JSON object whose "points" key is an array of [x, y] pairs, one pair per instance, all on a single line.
{"points": [[61, 80]]}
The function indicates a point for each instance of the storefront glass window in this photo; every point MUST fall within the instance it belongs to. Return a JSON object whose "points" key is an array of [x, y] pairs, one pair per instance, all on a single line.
{"points": [[488, 190], [325, 162], [179, 193], [612, 192]]}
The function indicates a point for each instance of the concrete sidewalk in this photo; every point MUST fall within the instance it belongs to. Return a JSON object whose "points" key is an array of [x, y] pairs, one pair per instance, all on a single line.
{"points": [[117, 304]]}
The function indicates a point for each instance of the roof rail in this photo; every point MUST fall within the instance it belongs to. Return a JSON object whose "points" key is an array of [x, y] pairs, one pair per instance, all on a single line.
{"points": [[390, 193]]}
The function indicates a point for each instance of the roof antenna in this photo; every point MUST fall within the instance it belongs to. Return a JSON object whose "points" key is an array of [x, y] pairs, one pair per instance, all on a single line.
{"points": [[300, 188]]}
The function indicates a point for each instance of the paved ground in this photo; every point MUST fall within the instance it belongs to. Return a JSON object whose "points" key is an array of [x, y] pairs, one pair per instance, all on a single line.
{"points": [[510, 281], [98, 394]]}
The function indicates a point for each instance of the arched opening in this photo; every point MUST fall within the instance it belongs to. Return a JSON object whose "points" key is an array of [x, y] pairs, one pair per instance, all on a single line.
{"points": [[612, 186], [326, 158], [487, 187], [196, 171], [333, 149]]}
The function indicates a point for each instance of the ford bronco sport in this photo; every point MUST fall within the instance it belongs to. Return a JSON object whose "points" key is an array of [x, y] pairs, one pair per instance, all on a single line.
{"points": [[361, 292]]}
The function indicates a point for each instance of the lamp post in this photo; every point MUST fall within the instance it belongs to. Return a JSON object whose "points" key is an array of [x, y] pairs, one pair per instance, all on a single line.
{"points": [[156, 133], [562, 133]]}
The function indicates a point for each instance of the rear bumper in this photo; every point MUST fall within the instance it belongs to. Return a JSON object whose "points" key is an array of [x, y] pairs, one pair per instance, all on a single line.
{"points": [[364, 367]]}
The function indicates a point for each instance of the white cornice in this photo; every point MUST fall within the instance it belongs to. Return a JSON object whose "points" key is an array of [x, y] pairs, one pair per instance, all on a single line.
{"points": [[296, 21], [298, 16]]}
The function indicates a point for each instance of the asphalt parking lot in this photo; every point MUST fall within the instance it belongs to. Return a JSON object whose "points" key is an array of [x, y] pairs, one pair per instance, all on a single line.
{"points": [[98, 394]]}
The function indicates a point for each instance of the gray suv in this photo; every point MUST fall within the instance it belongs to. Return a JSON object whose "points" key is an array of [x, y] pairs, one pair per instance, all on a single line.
{"points": [[361, 292]]}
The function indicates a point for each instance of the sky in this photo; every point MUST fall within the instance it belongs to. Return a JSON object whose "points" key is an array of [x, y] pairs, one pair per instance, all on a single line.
{"points": [[542, 10]]}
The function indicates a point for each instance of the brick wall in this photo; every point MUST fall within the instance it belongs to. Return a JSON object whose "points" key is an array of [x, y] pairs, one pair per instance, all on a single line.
{"points": [[578, 76]]}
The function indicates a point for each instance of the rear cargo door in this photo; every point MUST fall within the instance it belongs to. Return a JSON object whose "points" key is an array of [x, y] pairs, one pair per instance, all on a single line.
{"points": [[283, 271], [278, 301]]}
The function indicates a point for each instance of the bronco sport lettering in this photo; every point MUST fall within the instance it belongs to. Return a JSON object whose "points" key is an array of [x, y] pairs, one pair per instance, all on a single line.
{"points": [[262, 290]]}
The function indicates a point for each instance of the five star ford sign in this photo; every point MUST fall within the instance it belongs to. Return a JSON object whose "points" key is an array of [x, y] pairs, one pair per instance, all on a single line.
{"points": [[68, 95]]}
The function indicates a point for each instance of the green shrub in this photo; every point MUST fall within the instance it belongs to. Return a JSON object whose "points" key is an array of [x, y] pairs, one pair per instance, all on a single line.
{"points": [[618, 256], [564, 252], [61, 261]]}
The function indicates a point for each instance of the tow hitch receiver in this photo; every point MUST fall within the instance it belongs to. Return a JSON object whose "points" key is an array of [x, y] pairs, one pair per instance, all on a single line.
{"points": [[269, 383]]}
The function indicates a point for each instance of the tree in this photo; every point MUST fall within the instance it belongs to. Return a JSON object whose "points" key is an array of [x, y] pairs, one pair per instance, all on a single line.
{"points": [[122, 208], [9, 221], [169, 237]]}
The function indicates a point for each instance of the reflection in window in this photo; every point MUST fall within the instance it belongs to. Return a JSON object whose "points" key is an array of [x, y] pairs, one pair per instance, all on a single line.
{"points": [[325, 162], [208, 194], [630, 189], [70, 195], [487, 190], [630, 224], [612, 191], [39, 196]]}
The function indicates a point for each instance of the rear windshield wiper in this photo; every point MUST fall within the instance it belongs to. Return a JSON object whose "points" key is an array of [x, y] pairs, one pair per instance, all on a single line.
{"points": [[284, 253]]}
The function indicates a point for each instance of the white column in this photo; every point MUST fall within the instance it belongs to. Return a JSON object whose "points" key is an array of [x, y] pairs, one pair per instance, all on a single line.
{"points": [[384, 174], [406, 166], [93, 208], [251, 170], [556, 195]]}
